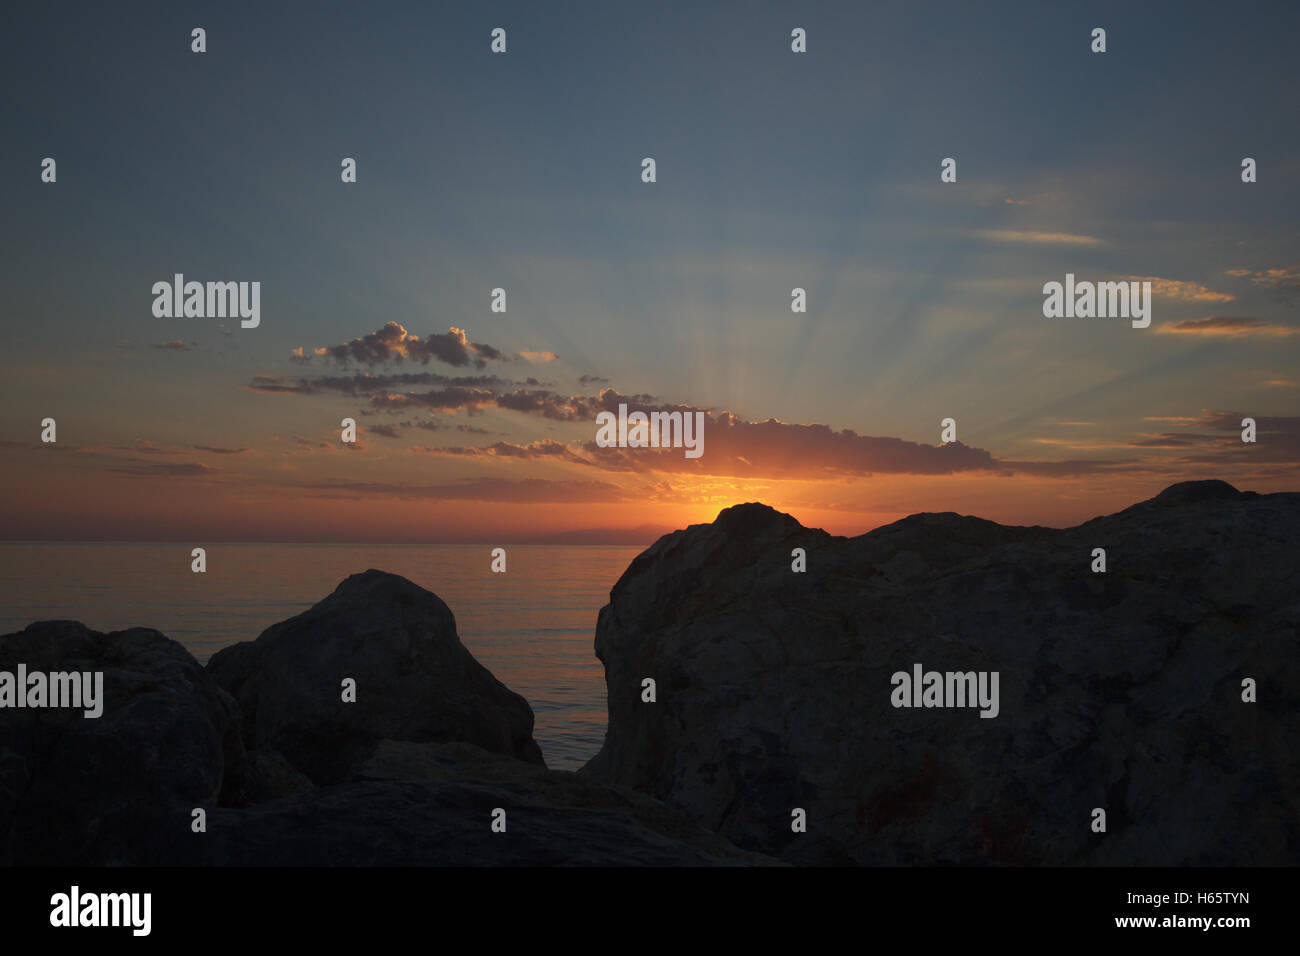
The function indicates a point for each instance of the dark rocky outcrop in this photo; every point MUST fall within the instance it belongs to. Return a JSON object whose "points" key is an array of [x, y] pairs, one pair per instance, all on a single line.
{"points": [[414, 681], [421, 804], [406, 776], [1120, 690], [118, 788]]}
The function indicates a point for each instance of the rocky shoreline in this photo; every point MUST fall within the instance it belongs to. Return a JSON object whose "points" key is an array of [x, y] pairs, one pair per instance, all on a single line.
{"points": [[1120, 690]]}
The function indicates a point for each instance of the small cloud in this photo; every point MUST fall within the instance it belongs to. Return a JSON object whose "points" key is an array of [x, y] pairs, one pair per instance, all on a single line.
{"points": [[177, 346], [393, 342], [1282, 383], [538, 358], [592, 380], [544, 448], [386, 431], [166, 470], [1285, 282], [1176, 289], [1016, 202], [146, 447], [1049, 238], [304, 444], [1226, 326], [220, 451]]}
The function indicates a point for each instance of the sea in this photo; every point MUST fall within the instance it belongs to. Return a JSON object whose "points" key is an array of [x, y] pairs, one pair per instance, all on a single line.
{"points": [[533, 627]]}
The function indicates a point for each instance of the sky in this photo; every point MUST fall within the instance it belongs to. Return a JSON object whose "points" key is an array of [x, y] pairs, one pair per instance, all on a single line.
{"points": [[522, 171]]}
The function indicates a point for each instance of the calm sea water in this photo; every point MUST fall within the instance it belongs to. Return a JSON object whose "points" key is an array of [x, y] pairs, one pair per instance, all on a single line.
{"points": [[533, 626]]}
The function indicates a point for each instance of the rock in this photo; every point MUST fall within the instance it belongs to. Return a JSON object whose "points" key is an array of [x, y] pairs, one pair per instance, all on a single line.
{"points": [[268, 776], [1119, 690], [414, 681], [119, 788], [422, 804]]}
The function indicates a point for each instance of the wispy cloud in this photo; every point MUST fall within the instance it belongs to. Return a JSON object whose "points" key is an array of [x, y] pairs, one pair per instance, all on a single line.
{"points": [[1223, 325], [1048, 238], [1285, 282], [166, 469], [527, 490], [1177, 289], [546, 448]]}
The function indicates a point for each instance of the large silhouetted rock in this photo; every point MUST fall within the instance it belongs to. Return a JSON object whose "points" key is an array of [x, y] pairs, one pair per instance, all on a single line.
{"points": [[119, 788], [414, 681], [1119, 690], [423, 804]]}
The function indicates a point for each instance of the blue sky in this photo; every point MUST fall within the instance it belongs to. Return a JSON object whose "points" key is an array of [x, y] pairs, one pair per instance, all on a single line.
{"points": [[775, 170]]}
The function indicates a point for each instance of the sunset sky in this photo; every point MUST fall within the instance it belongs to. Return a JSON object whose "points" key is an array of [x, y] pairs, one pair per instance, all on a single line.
{"points": [[522, 171]]}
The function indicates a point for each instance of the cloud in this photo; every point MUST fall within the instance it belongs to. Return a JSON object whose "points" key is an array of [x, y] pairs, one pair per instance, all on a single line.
{"points": [[549, 404], [525, 491], [775, 449], [305, 444], [592, 380], [541, 402], [386, 431], [732, 446], [146, 447], [1277, 439], [1231, 421], [366, 383], [1223, 325], [538, 358], [1188, 291], [176, 346], [1285, 282], [1163, 441], [444, 398], [276, 386], [220, 451], [1038, 238], [546, 448], [165, 469], [393, 342]]}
